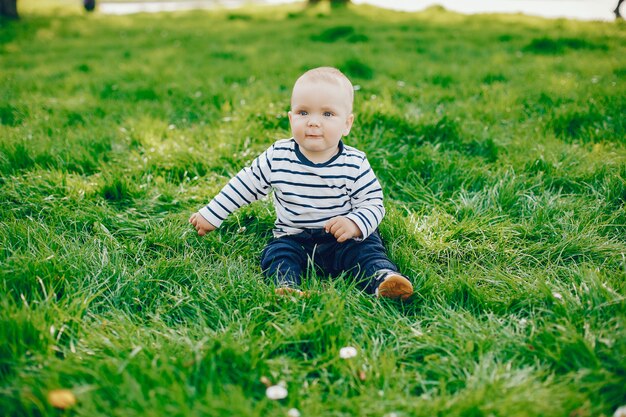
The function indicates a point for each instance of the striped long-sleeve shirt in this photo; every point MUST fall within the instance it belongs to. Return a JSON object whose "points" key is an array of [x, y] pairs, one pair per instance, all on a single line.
{"points": [[306, 195]]}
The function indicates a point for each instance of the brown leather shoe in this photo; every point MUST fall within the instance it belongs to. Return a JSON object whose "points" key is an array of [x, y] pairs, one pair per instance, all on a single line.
{"points": [[395, 286]]}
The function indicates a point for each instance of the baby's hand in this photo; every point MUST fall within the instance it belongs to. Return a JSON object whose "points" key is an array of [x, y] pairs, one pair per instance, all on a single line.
{"points": [[342, 228], [202, 226]]}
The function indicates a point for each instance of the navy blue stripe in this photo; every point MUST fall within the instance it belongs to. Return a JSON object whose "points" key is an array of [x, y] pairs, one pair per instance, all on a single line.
{"points": [[371, 198], [253, 173], [310, 185], [355, 155], [321, 219], [231, 200], [362, 217], [316, 207], [239, 194], [251, 170], [261, 171], [214, 213], [310, 174], [285, 207], [373, 214], [364, 187], [284, 149], [269, 164], [375, 191], [363, 174], [295, 161], [327, 166], [247, 188], [316, 197], [222, 206], [343, 165]]}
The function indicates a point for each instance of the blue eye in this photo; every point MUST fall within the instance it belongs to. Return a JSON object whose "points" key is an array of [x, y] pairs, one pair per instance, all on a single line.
{"points": [[303, 112], [328, 114]]}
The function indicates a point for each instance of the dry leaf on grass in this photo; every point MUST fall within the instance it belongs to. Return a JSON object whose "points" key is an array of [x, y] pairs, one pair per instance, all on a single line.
{"points": [[61, 398]]}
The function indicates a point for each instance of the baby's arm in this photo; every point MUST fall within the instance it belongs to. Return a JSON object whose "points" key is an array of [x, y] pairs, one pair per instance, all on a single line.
{"points": [[250, 184], [366, 197]]}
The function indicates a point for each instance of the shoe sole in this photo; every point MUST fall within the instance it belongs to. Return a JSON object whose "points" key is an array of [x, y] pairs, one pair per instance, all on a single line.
{"points": [[395, 287]]}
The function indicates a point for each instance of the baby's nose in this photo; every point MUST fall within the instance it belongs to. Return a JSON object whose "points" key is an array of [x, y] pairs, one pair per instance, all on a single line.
{"points": [[314, 121]]}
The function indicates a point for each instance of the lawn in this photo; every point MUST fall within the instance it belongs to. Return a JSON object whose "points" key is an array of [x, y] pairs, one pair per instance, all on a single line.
{"points": [[500, 144]]}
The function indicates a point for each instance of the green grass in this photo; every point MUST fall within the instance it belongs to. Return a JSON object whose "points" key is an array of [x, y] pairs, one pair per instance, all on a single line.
{"points": [[500, 144]]}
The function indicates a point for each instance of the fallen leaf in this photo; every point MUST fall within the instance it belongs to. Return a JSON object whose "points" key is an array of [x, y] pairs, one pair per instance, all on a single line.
{"points": [[61, 398]]}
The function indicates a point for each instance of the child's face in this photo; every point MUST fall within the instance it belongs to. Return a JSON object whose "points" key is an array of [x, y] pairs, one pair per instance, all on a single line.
{"points": [[320, 115]]}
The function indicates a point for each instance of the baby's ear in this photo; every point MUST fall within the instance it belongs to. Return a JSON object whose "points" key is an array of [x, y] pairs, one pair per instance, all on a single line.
{"points": [[349, 122]]}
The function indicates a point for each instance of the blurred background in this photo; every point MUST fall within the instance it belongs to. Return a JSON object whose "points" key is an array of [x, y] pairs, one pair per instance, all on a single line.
{"points": [[572, 9]]}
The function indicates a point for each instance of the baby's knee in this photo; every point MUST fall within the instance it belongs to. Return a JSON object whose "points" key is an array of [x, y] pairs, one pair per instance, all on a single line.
{"points": [[282, 250]]}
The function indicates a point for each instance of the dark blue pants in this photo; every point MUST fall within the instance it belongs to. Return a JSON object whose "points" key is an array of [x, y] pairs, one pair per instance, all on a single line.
{"points": [[285, 258]]}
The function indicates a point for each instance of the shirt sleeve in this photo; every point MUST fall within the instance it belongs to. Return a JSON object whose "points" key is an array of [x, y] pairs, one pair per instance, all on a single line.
{"points": [[250, 184], [367, 200]]}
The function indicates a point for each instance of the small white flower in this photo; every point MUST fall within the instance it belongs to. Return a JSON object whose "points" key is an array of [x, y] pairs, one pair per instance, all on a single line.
{"points": [[620, 412], [293, 412], [557, 295], [347, 352], [523, 322], [276, 392]]}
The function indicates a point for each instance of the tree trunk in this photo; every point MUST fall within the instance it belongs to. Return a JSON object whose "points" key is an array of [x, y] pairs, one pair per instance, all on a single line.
{"points": [[89, 5], [8, 9]]}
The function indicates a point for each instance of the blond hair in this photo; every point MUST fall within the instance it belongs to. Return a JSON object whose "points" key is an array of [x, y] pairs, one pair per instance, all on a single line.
{"points": [[331, 75]]}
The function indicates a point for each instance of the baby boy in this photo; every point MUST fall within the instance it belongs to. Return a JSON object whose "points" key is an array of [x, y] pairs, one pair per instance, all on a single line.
{"points": [[328, 200]]}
